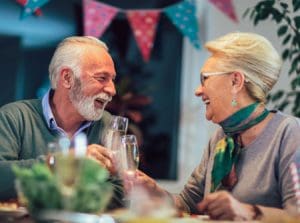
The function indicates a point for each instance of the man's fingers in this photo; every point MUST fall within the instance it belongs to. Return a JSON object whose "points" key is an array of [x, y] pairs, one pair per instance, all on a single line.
{"points": [[102, 155], [100, 149]]}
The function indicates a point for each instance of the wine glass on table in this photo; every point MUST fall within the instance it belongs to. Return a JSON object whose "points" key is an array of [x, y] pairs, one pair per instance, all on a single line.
{"points": [[112, 137], [67, 168]]}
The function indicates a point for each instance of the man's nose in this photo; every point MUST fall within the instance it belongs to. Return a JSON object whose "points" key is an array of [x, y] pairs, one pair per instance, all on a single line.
{"points": [[110, 88]]}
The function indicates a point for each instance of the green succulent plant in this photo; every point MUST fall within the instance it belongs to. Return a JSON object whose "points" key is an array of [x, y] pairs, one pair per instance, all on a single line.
{"points": [[42, 189]]}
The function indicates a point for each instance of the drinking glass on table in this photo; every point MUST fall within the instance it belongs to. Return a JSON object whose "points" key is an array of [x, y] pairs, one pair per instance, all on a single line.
{"points": [[67, 167], [112, 137], [61, 146]]}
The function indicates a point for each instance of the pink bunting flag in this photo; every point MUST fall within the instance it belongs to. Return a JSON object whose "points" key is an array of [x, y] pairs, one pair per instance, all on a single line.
{"points": [[97, 17], [226, 7], [143, 24]]}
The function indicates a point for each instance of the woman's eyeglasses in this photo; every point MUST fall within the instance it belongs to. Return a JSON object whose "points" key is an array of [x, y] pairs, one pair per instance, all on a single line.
{"points": [[204, 75]]}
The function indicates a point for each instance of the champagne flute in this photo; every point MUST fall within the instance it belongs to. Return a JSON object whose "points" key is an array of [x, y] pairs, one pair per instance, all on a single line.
{"points": [[130, 154], [112, 138], [129, 163], [117, 128]]}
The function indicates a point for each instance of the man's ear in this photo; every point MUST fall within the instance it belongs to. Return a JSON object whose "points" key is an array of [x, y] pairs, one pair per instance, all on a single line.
{"points": [[67, 77], [238, 80]]}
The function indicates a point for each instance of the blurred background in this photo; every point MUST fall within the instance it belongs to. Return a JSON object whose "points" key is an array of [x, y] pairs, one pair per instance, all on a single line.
{"points": [[157, 96]]}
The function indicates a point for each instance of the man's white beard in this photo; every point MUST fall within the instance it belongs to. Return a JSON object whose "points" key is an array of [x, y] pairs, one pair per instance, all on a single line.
{"points": [[85, 104]]}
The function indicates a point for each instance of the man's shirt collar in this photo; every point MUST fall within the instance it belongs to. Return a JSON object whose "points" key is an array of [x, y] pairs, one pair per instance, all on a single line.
{"points": [[50, 120]]}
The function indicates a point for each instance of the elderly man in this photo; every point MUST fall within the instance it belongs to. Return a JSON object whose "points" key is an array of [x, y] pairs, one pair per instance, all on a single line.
{"points": [[82, 77]]}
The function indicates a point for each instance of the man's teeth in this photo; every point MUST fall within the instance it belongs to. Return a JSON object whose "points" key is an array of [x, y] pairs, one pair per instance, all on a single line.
{"points": [[100, 100]]}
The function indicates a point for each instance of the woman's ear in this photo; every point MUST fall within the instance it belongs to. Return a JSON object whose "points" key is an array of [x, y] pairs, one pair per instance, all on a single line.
{"points": [[237, 79], [67, 77]]}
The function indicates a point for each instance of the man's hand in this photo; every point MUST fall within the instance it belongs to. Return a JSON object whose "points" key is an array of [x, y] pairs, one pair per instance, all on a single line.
{"points": [[222, 205], [102, 155]]}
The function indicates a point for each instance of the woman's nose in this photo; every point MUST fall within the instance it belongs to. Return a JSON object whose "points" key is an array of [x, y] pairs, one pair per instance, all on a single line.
{"points": [[199, 90]]}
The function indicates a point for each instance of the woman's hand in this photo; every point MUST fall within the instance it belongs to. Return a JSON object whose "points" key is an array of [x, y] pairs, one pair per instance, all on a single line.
{"points": [[102, 156], [140, 179], [222, 205]]}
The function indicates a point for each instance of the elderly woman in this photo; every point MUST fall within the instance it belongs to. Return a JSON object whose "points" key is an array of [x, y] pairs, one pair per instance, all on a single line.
{"points": [[244, 172]]}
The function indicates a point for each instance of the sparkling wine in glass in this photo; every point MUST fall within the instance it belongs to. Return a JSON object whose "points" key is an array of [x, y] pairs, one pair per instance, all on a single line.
{"points": [[130, 153], [117, 128], [129, 163], [67, 167], [112, 138]]}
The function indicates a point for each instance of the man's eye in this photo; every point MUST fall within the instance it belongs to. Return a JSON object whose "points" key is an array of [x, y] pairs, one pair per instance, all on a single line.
{"points": [[101, 78]]}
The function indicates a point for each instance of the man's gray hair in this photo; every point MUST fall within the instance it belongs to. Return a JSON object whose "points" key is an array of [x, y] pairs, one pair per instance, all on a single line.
{"points": [[68, 54], [251, 54]]}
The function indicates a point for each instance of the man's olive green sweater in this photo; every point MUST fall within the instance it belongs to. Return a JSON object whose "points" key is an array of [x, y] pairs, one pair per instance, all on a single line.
{"points": [[24, 136]]}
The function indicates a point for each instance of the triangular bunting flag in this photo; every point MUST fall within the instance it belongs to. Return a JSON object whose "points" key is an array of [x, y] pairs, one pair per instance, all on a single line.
{"points": [[226, 7], [183, 16], [97, 17], [143, 24], [31, 6]]}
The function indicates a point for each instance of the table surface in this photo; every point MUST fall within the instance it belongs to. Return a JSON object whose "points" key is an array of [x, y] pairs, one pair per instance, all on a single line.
{"points": [[28, 219], [20, 215]]}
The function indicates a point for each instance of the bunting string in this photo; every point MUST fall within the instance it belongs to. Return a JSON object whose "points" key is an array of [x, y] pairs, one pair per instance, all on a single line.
{"points": [[143, 22], [97, 17]]}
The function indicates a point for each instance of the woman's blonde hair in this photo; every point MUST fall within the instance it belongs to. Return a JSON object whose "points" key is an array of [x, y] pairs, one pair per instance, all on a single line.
{"points": [[251, 54]]}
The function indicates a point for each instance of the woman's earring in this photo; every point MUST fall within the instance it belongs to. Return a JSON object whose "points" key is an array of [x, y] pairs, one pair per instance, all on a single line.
{"points": [[234, 101]]}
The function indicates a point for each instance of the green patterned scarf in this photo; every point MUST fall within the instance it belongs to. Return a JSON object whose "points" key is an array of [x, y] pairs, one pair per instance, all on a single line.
{"points": [[227, 149]]}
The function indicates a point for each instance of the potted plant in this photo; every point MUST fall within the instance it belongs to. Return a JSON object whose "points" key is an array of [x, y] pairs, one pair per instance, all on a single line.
{"points": [[286, 15]]}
